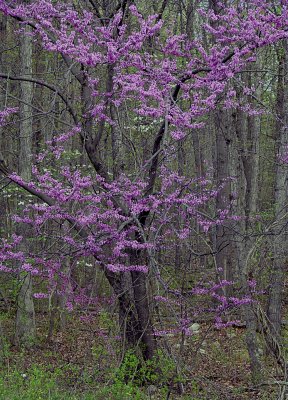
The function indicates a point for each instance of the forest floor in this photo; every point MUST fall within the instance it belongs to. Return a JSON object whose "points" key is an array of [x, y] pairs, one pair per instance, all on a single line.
{"points": [[82, 363]]}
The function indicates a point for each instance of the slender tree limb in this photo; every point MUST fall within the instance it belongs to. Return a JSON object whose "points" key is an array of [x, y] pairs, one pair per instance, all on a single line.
{"points": [[48, 86], [42, 196]]}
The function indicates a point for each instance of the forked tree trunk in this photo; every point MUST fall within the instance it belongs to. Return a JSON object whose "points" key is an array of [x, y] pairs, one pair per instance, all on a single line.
{"points": [[134, 315]]}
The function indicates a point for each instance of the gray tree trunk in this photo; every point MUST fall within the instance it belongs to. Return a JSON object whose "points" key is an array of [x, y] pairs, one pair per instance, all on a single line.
{"points": [[247, 133], [281, 186], [25, 319], [224, 246]]}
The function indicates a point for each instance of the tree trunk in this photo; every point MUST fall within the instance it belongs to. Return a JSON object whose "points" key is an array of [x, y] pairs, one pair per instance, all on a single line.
{"points": [[134, 315], [223, 238], [247, 133], [25, 319], [281, 187]]}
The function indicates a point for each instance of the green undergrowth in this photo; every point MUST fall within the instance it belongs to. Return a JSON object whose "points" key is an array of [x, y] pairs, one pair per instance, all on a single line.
{"points": [[38, 383], [78, 366], [131, 380]]}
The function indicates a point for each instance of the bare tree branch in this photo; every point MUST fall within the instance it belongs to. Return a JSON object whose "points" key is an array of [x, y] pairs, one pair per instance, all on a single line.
{"points": [[48, 86]]}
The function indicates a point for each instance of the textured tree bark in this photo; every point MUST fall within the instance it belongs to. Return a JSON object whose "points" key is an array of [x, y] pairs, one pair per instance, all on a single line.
{"points": [[224, 245], [128, 321], [3, 64], [281, 186], [143, 310], [247, 134], [5, 225], [249, 155], [25, 331], [141, 299]]}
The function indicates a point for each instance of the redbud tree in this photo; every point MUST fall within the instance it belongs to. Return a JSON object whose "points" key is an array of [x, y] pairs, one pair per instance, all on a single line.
{"points": [[124, 210]]}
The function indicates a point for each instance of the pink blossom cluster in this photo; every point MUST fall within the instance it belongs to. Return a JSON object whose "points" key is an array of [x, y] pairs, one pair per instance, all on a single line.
{"points": [[5, 114]]}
